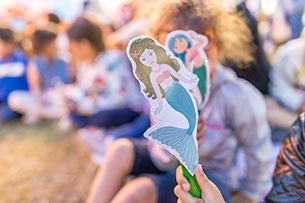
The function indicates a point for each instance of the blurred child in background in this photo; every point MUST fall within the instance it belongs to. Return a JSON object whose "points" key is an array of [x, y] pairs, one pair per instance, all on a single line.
{"points": [[288, 176], [105, 95], [235, 114], [13, 65], [235, 118], [46, 71], [287, 84]]}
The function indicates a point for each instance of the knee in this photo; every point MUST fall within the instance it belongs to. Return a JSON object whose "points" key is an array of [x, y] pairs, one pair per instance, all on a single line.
{"points": [[121, 152], [13, 100], [146, 188], [122, 147], [140, 190], [18, 100]]}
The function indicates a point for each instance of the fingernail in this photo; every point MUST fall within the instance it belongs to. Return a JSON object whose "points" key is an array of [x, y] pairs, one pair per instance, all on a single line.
{"points": [[200, 168], [185, 186]]}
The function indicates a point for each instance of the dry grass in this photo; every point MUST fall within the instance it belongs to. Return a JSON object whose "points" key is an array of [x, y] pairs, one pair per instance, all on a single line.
{"points": [[42, 164]]}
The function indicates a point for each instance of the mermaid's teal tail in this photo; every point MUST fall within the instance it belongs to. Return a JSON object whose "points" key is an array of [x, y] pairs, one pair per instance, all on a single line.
{"points": [[180, 100], [203, 85], [177, 141]]}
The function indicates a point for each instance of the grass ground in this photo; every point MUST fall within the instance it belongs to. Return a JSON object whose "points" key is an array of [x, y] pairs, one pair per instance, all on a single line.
{"points": [[42, 164]]}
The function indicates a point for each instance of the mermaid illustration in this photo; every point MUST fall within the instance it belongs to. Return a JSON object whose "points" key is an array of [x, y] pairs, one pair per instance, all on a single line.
{"points": [[166, 83], [189, 47]]}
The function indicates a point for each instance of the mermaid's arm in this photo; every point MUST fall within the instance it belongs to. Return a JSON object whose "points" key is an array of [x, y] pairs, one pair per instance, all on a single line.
{"points": [[201, 40], [158, 94], [179, 76]]}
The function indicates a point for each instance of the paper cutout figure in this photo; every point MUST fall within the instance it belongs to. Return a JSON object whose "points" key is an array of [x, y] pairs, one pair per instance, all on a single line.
{"points": [[189, 47], [166, 83]]}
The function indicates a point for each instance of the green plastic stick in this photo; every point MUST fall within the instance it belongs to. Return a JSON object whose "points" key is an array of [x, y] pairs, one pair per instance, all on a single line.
{"points": [[195, 190]]}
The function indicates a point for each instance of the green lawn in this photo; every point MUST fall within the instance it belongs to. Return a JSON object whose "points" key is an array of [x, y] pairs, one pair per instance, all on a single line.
{"points": [[42, 163]]}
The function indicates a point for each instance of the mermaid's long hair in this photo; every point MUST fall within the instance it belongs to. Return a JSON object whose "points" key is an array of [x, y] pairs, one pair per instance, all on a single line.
{"points": [[143, 72]]}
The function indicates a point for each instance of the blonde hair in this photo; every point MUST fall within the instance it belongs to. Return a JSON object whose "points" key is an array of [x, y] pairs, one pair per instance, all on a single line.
{"points": [[225, 28]]}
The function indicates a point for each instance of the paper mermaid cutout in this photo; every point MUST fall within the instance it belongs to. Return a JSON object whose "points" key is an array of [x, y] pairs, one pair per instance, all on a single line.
{"points": [[189, 47], [166, 83]]}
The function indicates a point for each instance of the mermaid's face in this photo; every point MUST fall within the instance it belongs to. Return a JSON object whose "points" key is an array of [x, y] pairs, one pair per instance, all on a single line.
{"points": [[181, 45], [148, 57]]}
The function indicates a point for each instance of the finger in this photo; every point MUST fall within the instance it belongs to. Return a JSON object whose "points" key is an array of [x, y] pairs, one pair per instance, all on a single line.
{"points": [[200, 140], [209, 190], [184, 196], [200, 130], [195, 201], [201, 125], [200, 122], [202, 179], [181, 180], [179, 201]]}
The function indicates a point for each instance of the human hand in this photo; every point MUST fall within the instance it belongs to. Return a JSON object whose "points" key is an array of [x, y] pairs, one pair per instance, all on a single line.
{"points": [[200, 130], [210, 193], [238, 197]]}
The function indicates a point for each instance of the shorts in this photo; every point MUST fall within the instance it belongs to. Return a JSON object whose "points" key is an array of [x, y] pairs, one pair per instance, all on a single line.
{"points": [[165, 181]]}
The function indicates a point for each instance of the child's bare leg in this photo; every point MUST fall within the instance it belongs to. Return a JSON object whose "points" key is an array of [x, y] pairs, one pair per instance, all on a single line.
{"points": [[138, 190], [111, 175]]}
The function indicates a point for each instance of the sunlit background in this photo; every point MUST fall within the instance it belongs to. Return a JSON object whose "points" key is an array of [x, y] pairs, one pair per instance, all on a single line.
{"points": [[44, 164]]}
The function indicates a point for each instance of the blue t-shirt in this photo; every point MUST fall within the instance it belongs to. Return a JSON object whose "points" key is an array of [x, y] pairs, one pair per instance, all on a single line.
{"points": [[13, 74], [51, 72]]}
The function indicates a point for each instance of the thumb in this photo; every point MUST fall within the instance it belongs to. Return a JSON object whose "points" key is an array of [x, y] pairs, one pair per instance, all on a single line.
{"points": [[201, 178], [210, 192]]}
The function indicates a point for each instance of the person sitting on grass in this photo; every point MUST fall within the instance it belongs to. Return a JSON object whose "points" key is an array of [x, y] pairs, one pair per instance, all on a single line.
{"points": [[105, 98], [13, 67], [46, 71]]}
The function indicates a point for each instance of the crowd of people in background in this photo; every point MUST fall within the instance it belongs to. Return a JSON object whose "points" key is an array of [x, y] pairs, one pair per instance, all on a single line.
{"points": [[77, 74]]}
